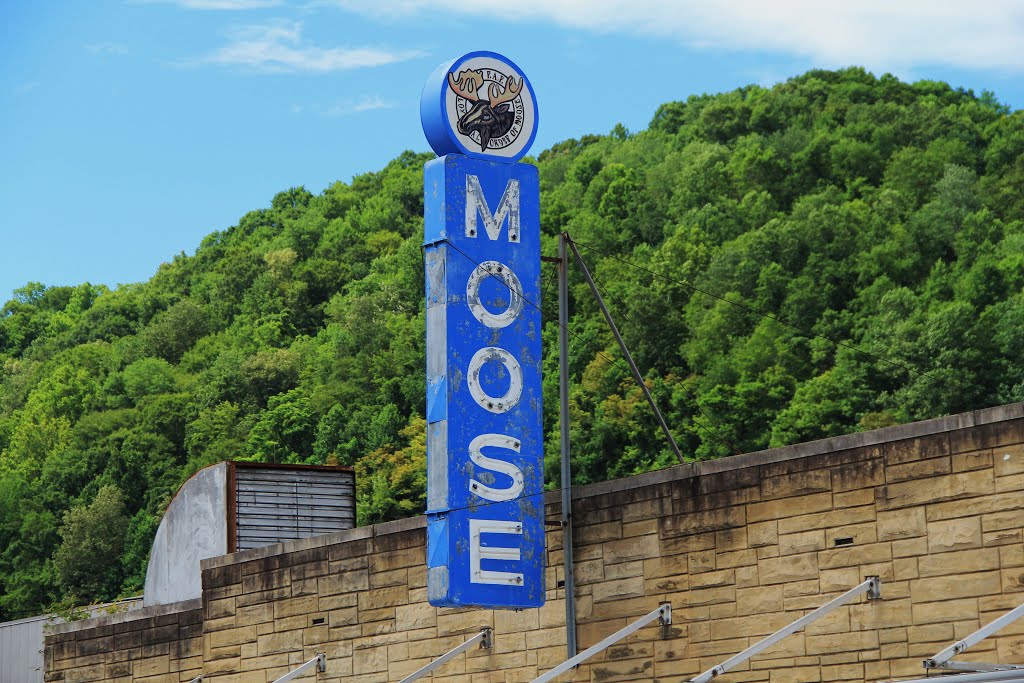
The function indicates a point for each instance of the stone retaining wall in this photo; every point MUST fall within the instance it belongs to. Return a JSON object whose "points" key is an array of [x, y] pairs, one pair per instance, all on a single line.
{"points": [[740, 547], [154, 644]]}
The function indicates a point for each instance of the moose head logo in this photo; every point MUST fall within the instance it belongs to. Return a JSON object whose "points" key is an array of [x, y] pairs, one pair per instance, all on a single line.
{"points": [[492, 118], [480, 105]]}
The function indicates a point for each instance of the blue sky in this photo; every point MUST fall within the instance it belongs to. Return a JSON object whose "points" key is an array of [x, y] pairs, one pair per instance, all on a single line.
{"points": [[130, 129]]}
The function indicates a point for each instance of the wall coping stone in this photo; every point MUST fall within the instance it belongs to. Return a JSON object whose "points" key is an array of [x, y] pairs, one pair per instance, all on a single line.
{"points": [[875, 437], [122, 617], [835, 444]]}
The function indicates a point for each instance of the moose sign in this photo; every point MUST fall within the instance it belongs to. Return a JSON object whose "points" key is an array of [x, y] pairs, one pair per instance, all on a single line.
{"points": [[485, 484]]}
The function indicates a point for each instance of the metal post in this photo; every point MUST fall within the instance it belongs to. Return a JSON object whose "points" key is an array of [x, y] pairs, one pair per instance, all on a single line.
{"points": [[940, 658], [871, 586], [320, 662], [563, 390], [622, 345], [485, 638], [663, 613]]}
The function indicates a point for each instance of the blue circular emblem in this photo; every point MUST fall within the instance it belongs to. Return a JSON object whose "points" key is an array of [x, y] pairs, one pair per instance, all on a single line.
{"points": [[480, 105]]}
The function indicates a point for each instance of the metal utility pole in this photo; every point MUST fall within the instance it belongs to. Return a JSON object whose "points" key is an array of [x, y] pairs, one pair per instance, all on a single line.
{"points": [[563, 390]]}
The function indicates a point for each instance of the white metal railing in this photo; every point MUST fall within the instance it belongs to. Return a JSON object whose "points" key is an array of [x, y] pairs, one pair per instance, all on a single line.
{"points": [[978, 667], [320, 662], [872, 586], [986, 677], [663, 613], [944, 658], [485, 638]]}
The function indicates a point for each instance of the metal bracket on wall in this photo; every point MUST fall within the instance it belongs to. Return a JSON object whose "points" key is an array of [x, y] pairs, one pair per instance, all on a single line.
{"points": [[663, 614], [485, 638], [320, 662], [944, 658], [872, 586]]}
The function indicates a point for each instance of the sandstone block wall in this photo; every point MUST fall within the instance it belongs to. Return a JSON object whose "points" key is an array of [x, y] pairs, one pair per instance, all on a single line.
{"points": [[740, 547], [155, 645]]}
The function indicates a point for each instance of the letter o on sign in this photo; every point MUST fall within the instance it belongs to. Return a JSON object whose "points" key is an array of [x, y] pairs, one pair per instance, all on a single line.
{"points": [[502, 272], [515, 386]]}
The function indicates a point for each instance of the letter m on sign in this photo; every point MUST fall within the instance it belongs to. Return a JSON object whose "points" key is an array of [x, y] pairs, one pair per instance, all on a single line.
{"points": [[508, 208]]}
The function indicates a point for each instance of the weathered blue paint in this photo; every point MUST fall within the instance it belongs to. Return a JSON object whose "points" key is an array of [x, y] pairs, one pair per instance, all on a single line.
{"points": [[484, 434]]}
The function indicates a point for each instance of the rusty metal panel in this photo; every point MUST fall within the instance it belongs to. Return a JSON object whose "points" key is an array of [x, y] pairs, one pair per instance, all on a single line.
{"points": [[275, 504]]}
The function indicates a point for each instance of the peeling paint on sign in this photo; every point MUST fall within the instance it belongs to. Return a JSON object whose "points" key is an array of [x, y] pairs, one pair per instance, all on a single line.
{"points": [[485, 441]]}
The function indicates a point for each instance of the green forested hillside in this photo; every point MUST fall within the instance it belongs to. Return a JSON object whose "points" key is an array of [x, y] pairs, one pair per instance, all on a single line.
{"points": [[833, 254]]}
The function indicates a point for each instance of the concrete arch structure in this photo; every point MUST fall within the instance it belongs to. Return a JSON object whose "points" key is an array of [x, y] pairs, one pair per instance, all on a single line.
{"points": [[194, 528], [233, 506]]}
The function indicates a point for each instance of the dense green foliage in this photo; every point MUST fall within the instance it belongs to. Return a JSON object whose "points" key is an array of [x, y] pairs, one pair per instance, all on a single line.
{"points": [[836, 253]]}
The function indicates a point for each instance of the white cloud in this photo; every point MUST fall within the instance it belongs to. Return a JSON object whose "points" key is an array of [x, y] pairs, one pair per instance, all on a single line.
{"points": [[25, 87], [880, 34], [107, 49], [356, 106], [217, 4], [279, 47]]}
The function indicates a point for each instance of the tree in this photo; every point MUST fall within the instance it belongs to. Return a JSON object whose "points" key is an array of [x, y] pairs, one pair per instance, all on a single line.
{"points": [[175, 331], [835, 253], [148, 376], [92, 539]]}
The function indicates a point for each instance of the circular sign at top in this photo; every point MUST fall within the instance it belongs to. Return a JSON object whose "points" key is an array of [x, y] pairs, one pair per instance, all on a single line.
{"points": [[479, 105]]}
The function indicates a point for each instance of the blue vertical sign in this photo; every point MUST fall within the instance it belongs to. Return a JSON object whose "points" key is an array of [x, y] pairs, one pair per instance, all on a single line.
{"points": [[485, 441]]}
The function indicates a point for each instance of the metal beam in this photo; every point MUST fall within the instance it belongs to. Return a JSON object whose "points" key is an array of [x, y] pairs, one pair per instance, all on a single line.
{"points": [[871, 586], [563, 390], [987, 677], [941, 658], [320, 662], [954, 665], [622, 345], [663, 613], [484, 638]]}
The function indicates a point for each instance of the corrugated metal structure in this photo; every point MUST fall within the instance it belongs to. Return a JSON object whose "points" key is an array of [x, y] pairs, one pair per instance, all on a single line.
{"points": [[21, 641], [274, 504], [21, 650], [234, 506]]}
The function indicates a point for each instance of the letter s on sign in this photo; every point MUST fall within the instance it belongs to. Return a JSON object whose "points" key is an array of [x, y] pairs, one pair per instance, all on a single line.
{"points": [[487, 492]]}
